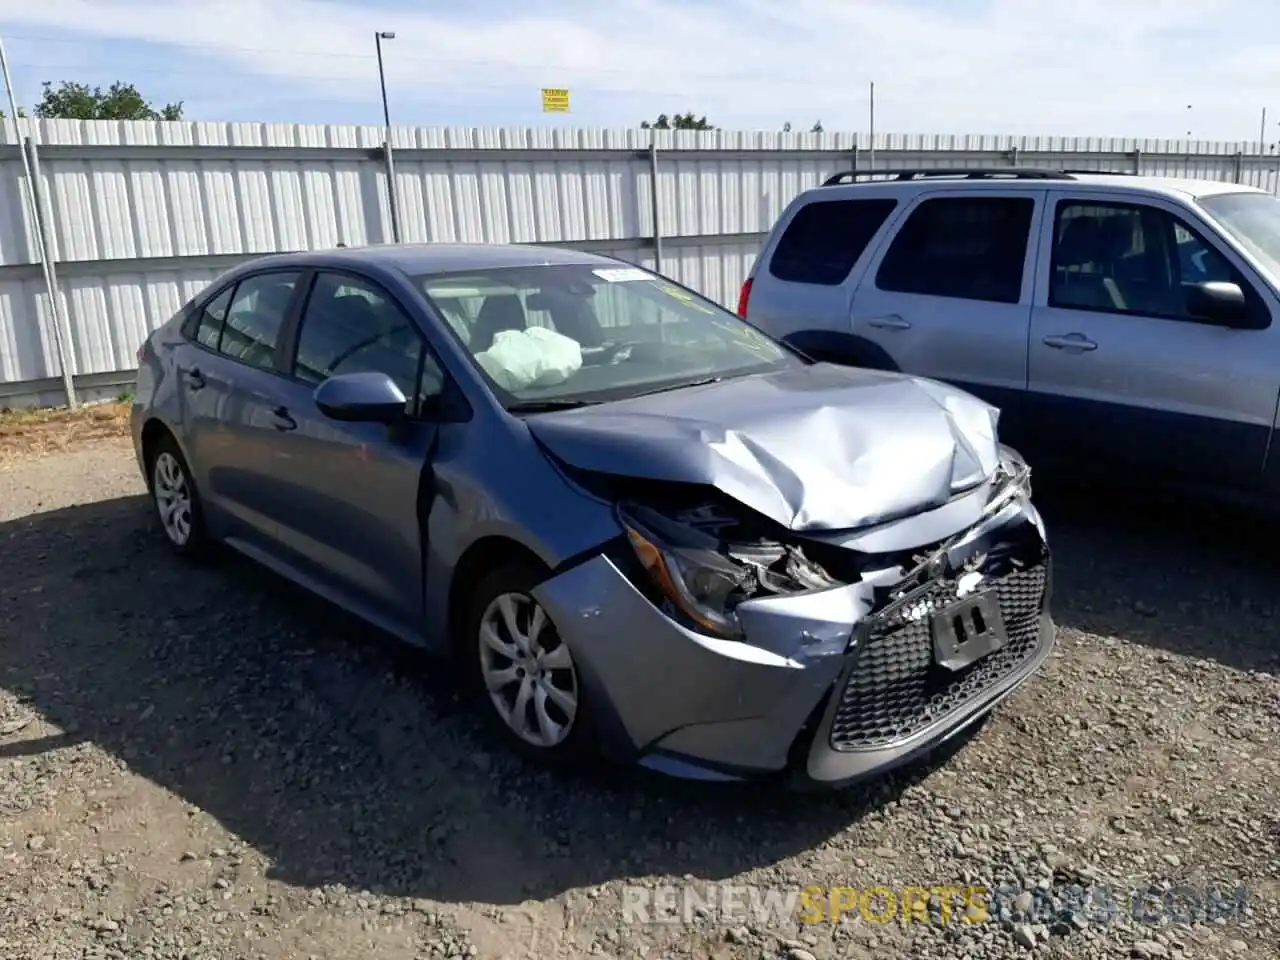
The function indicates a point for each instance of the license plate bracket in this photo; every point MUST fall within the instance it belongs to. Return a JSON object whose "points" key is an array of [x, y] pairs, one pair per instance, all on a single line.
{"points": [[967, 630]]}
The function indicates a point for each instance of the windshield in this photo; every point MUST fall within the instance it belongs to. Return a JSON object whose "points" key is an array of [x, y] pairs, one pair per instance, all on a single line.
{"points": [[1253, 220], [562, 334]]}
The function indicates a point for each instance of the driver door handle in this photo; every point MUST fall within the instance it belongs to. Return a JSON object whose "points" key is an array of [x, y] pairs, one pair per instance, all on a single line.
{"points": [[1075, 342], [193, 378], [890, 322], [280, 417]]}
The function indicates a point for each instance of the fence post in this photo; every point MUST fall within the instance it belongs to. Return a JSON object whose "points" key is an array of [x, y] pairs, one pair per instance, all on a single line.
{"points": [[393, 199], [1239, 166], [1137, 162], [61, 329], [653, 200]]}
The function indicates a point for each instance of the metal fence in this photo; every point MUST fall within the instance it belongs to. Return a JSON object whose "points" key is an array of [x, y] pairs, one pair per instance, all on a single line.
{"points": [[142, 215]]}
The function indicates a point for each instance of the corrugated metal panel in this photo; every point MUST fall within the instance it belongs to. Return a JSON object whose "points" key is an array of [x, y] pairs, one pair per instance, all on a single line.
{"points": [[121, 192]]}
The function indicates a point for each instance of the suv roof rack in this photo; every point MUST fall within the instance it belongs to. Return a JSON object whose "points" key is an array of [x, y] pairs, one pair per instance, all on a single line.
{"points": [[1105, 173], [966, 173]]}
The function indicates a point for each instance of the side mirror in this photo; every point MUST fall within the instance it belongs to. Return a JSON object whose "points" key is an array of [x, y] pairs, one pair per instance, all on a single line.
{"points": [[361, 398], [1221, 303]]}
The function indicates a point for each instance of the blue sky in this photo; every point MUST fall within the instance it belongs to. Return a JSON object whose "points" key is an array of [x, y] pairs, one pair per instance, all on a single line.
{"points": [[1155, 68]]}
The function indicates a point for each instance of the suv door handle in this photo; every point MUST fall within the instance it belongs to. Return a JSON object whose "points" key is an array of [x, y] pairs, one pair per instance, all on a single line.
{"points": [[891, 322], [280, 417], [193, 378], [1075, 342]]}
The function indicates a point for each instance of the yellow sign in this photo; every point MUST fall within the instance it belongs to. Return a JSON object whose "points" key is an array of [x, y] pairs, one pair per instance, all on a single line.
{"points": [[555, 101]]}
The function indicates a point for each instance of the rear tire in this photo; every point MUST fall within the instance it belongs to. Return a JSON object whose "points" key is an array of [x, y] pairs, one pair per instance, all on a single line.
{"points": [[176, 500], [522, 675]]}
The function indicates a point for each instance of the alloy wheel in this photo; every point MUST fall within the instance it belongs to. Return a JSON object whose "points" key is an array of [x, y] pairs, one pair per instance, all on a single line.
{"points": [[527, 670], [173, 498]]}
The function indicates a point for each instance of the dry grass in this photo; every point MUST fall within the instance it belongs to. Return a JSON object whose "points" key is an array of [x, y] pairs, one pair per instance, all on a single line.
{"points": [[35, 433]]}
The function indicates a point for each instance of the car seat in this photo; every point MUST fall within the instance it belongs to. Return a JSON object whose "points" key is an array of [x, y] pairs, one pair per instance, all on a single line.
{"points": [[501, 311]]}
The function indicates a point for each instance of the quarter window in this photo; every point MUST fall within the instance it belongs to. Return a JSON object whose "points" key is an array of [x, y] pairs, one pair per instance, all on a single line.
{"points": [[208, 329], [970, 248], [1130, 258], [825, 239], [256, 315], [350, 326]]}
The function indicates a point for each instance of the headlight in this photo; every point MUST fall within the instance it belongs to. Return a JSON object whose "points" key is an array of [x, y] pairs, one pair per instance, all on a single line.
{"points": [[702, 578], [1015, 468], [1018, 485]]}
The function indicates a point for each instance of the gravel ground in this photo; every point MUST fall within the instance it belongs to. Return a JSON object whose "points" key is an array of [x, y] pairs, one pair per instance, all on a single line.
{"points": [[209, 763]]}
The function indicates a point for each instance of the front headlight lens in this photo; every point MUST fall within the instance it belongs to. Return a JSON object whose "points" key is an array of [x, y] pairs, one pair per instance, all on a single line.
{"points": [[1015, 467], [703, 579], [1018, 485]]}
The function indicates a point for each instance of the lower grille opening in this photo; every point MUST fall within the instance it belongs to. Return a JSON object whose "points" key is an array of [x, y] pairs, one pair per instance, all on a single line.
{"points": [[895, 687]]}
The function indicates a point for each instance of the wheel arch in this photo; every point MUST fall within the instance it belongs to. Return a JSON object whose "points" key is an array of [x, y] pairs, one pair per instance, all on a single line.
{"points": [[478, 558], [153, 431]]}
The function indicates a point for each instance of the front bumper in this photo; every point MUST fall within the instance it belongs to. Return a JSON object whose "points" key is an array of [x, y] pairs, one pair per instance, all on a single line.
{"points": [[826, 689]]}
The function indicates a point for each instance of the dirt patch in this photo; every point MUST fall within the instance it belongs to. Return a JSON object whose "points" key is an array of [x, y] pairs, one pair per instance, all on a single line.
{"points": [[203, 763], [36, 433]]}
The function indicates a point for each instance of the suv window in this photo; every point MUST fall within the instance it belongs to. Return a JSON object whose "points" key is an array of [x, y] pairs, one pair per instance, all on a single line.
{"points": [[252, 326], [208, 327], [971, 248], [1129, 258], [825, 239], [351, 326]]}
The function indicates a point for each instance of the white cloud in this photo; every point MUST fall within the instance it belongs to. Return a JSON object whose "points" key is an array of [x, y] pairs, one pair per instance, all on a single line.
{"points": [[1102, 67]]}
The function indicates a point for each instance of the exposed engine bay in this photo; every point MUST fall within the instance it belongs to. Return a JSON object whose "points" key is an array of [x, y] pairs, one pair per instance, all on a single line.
{"points": [[705, 554]]}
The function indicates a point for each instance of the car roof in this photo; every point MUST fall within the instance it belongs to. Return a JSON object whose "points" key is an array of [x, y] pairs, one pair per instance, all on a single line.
{"points": [[1183, 186], [426, 258], [1180, 188]]}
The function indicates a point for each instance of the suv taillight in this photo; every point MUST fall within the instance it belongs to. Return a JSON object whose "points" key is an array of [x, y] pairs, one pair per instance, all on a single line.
{"points": [[743, 297]]}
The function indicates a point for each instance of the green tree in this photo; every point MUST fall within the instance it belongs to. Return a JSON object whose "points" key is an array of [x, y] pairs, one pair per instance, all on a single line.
{"points": [[22, 113], [681, 121], [120, 101]]}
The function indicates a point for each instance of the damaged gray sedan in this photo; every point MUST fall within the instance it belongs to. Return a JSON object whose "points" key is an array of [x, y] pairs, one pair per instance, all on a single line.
{"points": [[641, 528]]}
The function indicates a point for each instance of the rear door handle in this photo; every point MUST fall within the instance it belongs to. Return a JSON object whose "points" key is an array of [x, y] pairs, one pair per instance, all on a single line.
{"points": [[280, 417], [891, 322], [1075, 342], [194, 379]]}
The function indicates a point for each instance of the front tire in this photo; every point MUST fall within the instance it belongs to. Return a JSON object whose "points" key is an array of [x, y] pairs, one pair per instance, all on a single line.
{"points": [[522, 673], [176, 500]]}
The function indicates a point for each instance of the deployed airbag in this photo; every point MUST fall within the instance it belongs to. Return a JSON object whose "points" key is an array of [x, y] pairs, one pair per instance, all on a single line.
{"points": [[536, 357]]}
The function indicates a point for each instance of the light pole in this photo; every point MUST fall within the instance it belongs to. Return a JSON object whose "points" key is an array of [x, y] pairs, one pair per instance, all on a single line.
{"points": [[392, 200]]}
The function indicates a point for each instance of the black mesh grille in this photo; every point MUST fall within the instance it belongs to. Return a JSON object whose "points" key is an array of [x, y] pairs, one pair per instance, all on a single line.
{"points": [[896, 689]]}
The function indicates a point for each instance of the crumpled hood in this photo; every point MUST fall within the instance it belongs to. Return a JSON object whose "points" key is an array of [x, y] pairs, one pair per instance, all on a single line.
{"points": [[821, 447]]}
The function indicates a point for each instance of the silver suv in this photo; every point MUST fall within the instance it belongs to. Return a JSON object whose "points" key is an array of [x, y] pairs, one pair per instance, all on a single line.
{"points": [[1118, 321]]}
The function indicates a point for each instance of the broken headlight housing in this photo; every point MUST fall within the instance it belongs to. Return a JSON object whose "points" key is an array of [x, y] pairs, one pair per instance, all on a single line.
{"points": [[700, 571]]}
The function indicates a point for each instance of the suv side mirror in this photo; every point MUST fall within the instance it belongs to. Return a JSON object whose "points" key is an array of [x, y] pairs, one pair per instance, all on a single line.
{"points": [[1220, 303], [366, 397]]}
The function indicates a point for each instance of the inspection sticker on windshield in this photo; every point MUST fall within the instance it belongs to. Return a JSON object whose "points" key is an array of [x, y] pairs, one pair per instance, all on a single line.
{"points": [[622, 274]]}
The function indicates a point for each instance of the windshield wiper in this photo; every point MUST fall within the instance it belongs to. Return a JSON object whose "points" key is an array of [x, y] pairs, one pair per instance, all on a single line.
{"points": [[551, 403], [680, 386]]}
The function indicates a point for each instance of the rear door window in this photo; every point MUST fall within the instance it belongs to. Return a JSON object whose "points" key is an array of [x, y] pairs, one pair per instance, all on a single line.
{"points": [[256, 315], [825, 239], [968, 248]]}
